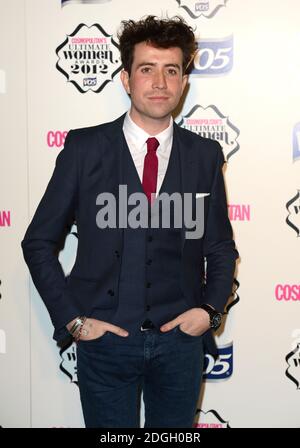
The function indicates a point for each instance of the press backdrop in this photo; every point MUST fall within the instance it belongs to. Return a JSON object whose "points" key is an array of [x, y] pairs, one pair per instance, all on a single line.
{"points": [[59, 70]]}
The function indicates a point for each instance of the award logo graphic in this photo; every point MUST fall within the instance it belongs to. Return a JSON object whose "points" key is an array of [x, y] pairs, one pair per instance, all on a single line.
{"points": [[234, 297], [210, 419], [210, 122], [68, 351], [83, 2], [89, 58], [196, 9], [214, 57], [68, 363], [293, 208], [296, 142], [293, 370]]}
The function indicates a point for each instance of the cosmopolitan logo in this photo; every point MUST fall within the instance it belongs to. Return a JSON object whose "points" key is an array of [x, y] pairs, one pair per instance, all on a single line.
{"points": [[5, 218], [209, 122], [205, 8], [2, 82], [222, 368], [89, 58], [83, 2], [296, 142], [239, 212], [214, 57], [293, 208], [287, 292], [56, 139], [210, 419]]}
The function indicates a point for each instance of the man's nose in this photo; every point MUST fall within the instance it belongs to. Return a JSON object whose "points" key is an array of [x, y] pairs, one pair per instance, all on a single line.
{"points": [[159, 80]]}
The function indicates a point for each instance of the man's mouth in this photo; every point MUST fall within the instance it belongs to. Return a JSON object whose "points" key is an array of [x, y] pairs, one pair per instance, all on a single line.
{"points": [[158, 98]]}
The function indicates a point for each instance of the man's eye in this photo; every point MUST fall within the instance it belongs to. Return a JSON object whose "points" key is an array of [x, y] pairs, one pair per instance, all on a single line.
{"points": [[171, 71], [146, 69]]}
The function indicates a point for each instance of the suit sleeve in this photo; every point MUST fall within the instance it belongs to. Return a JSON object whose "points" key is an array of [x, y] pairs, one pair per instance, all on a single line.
{"points": [[219, 247], [53, 216]]}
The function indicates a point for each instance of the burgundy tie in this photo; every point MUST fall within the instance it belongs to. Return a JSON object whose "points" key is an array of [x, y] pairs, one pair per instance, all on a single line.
{"points": [[150, 168]]}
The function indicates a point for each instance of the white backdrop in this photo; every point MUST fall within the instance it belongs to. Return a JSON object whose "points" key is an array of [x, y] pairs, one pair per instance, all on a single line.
{"points": [[244, 91]]}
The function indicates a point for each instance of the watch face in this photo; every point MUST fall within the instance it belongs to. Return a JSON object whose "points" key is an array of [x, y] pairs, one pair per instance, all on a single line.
{"points": [[216, 321]]}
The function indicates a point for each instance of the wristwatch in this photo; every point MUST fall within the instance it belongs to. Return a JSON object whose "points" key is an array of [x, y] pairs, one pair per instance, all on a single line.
{"points": [[214, 316]]}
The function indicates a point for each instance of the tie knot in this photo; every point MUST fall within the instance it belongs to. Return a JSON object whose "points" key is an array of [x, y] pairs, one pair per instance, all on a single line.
{"points": [[152, 144]]}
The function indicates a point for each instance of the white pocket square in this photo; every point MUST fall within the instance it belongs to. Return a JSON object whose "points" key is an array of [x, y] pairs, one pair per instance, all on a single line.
{"points": [[201, 195]]}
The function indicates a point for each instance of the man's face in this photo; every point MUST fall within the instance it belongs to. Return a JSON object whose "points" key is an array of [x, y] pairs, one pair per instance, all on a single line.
{"points": [[156, 82]]}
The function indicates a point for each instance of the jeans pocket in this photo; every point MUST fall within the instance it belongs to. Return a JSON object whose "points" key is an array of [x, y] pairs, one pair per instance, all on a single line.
{"points": [[90, 341], [183, 333]]}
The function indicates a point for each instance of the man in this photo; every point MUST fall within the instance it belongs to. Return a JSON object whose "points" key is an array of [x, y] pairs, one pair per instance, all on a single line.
{"points": [[137, 301]]}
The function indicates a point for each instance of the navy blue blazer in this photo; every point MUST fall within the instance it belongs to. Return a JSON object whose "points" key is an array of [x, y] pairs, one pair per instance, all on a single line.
{"points": [[89, 164]]}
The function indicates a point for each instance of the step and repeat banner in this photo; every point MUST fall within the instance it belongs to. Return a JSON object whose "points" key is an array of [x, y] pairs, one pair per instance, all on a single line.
{"points": [[60, 70]]}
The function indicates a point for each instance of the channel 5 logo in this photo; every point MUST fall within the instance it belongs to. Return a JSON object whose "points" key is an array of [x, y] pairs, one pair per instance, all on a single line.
{"points": [[214, 57], [222, 368]]}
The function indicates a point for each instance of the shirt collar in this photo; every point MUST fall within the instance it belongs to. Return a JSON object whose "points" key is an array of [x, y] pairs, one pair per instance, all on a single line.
{"points": [[139, 136]]}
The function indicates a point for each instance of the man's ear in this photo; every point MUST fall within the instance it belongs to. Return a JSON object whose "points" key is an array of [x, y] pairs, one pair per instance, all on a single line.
{"points": [[185, 79], [125, 80]]}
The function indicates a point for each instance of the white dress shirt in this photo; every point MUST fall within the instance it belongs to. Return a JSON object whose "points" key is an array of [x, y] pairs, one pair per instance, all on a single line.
{"points": [[136, 139]]}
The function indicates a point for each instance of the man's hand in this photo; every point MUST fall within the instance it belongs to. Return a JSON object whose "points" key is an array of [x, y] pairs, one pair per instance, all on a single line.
{"points": [[195, 322], [94, 328]]}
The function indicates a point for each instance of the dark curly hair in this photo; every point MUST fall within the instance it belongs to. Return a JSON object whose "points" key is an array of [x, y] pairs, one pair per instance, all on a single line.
{"points": [[161, 33]]}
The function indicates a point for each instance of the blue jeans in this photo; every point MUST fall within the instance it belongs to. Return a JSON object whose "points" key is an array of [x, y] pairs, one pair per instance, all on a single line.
{"points": [[112, 371]]}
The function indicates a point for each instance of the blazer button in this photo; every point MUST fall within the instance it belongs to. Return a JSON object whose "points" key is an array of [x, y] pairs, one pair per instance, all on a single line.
{"points": [[148, 262], [110, 292], [150, 238], [117, 253], [148, 307], [148, 284]]}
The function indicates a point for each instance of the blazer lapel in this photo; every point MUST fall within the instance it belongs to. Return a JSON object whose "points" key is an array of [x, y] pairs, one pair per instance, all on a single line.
{"points": [[115, 137], [189, 166]]}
